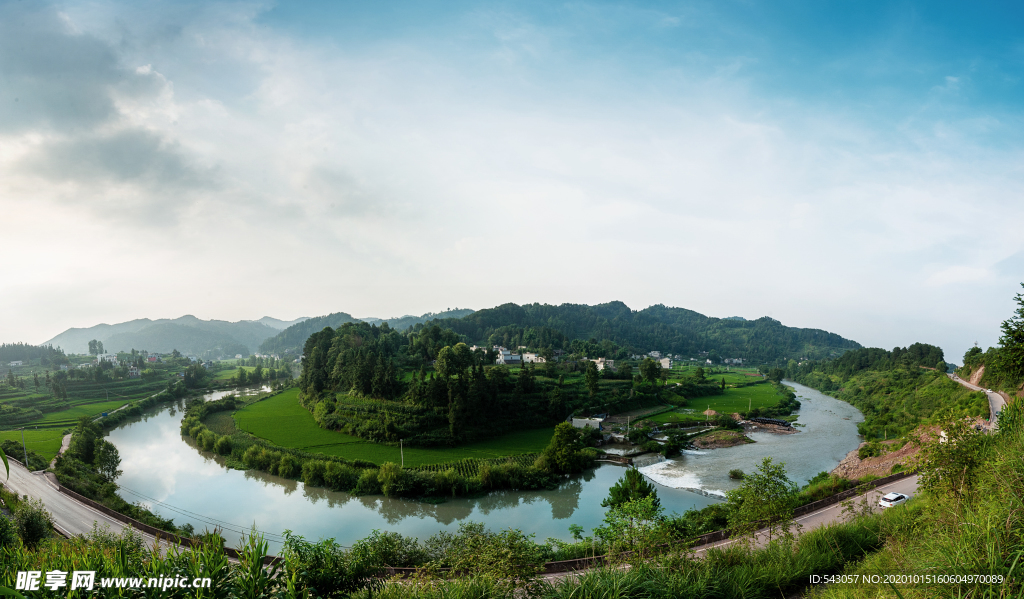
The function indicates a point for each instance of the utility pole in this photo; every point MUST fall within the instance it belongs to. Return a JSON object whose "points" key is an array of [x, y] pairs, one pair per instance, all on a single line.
{"points": [[25, 449], [401, 450]]}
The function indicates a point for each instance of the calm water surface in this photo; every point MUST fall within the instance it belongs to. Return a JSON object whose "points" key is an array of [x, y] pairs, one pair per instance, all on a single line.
{"points": [[165, 471]]}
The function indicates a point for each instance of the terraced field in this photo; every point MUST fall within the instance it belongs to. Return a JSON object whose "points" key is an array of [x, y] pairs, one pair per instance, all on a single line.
{"points": [[282, 421]]}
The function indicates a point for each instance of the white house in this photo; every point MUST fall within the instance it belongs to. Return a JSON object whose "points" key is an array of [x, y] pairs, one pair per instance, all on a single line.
{"points": [[17, 363], [655, 354], [666, 363], [133, 372], [603, 363], [112, 358], [507, 358], [533, 358]]}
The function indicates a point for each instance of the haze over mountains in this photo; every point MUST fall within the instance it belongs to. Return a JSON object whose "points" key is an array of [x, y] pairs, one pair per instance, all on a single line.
{"points": [[675, 330], [214, 338]]}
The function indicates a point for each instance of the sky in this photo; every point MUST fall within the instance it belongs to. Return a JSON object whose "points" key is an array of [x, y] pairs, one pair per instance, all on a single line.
{"points": [[855, 167]]}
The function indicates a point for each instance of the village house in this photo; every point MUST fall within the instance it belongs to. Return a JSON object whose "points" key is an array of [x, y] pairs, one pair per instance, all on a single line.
{"points": [[603, 363], [507, 358], [16, 363], [533, 358]]}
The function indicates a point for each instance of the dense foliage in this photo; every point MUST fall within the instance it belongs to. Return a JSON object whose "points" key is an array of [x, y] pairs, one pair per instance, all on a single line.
{"points": [[373, 382], [47, 355], [613, 330], [896, 391]]}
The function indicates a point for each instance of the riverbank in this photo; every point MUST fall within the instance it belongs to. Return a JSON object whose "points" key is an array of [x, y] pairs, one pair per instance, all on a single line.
{"points": [[828, 434]]}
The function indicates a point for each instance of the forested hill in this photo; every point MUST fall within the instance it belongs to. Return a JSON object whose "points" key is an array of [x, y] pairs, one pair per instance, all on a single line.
{"points": [[408, 321], [614, 330], [293, 338]]}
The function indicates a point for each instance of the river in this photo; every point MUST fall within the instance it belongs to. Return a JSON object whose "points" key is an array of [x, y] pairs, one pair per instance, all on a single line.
{"points": [[827, 434], [165, 472]]}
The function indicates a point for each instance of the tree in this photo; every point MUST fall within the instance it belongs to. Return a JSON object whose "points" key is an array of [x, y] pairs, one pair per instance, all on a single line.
{"points": [[636, 525], [563, 453], [631, 486], [240, 376], [1011, 352], [99, 347], [592, 377], [699, 374], [174, 353], [83, 442], [650, 370], [948, 463], [107, 459], [92, 347], [765, 499]]}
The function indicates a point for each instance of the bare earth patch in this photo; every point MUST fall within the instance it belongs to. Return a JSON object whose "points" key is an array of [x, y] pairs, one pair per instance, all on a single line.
{"points": [[716, 439]]}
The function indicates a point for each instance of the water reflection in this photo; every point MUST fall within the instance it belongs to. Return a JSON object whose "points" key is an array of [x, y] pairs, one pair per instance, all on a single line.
{"points": [[166, 471]]}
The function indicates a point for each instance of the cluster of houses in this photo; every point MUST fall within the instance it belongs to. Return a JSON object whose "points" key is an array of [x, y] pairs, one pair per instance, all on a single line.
{"points": [[507, 357]]}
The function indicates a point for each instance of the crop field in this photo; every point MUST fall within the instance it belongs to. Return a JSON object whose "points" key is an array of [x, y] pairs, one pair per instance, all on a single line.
{"points": [[70, 416], [471, 466], [45, 442], [734, 400], [282, 421]]}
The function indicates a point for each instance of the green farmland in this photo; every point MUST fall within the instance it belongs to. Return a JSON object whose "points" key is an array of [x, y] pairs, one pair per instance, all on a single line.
{"points": [[69, 417], [45, 442], [735, 399], [282, 421]]}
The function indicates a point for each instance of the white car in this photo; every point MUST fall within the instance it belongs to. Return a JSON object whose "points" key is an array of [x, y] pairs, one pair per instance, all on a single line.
{"points": [[892, 499]]}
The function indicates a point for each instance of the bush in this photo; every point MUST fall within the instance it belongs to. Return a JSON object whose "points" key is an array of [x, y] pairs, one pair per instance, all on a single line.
{"points": [[8, 532], [223, 445], [33, 522], [736, 474], [869, 451], [368, 483]]}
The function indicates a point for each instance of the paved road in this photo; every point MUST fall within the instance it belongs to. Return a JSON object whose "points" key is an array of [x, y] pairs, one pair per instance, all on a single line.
{"points": [[69, 516], [996, 403], [833, 513], [808, 522]]}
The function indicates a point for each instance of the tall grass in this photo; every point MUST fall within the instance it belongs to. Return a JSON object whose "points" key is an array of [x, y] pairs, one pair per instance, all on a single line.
{"points": [[981, 533]]}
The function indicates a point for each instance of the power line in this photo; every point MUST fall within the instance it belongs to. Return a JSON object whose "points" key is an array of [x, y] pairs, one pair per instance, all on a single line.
{"points": [[206, 519]]}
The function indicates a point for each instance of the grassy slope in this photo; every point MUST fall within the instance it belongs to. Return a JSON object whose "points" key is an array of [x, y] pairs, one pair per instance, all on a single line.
{"points": [[940, 535], [282, 421]]}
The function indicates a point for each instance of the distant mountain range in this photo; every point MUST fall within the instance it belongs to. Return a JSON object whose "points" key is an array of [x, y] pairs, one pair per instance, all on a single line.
{"points": [[187, 334], [659, 327], [216, 338]]}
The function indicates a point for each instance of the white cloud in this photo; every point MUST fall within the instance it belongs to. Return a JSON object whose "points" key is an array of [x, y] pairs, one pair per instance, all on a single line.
{"points": [[290, 177]]}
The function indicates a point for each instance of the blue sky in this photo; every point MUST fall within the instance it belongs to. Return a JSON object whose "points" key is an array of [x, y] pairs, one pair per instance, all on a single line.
{"points": [[849, 166]]}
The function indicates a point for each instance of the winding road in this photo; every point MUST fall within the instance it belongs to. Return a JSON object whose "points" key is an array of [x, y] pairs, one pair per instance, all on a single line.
{"points": [[996, 402], [70, 517]]}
